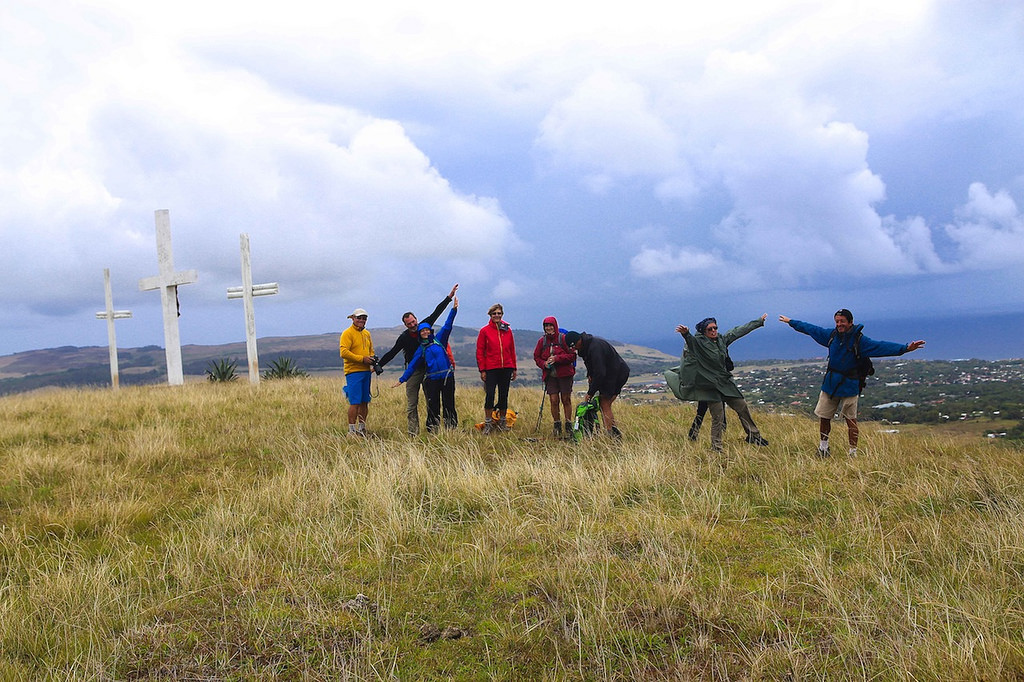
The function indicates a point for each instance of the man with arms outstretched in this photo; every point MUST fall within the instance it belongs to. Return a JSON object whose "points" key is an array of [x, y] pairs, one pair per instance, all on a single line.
{"points": [[841, 386]]}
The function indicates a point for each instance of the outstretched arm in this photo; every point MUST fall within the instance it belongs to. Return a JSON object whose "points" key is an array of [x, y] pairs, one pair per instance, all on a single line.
{"points": [[411, 367], [820, 335], [391, 353], [737, 332]]}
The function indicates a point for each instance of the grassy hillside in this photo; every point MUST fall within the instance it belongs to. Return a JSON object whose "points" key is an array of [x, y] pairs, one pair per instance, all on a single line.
{"points": [[224, 532]]}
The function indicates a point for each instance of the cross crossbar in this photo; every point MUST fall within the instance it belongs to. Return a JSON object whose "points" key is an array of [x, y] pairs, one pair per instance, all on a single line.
{"points": [[109, 314], [246, 292]]}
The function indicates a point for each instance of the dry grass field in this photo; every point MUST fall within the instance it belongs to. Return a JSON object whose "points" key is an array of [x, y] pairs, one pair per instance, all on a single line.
{"points": [[221, 532]]}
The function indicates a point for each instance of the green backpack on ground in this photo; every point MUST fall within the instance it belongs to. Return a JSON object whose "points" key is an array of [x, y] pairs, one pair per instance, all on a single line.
{"points": [[585, 423]]}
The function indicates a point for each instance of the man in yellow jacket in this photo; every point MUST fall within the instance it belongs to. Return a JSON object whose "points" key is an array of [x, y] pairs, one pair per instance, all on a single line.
{"points": [[356, 348]]}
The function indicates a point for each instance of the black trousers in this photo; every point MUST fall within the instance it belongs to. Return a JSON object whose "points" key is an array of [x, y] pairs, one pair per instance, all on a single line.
{"points": [[497, 379], [440, 392], [450, 415]]}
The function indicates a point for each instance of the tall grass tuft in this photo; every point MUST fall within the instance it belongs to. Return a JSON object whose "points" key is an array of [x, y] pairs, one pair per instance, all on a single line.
{"points": [[225, 531]]}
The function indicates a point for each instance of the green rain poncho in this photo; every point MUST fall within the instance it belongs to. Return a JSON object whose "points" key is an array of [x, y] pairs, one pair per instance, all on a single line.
{"points": [[702, 374]]}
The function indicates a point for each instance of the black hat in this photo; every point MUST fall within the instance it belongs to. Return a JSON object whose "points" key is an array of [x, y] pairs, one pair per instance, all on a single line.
{"points": [[703, 324], [843, 312]]}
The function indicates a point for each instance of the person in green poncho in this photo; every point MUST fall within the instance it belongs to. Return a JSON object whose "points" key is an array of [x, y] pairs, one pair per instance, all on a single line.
{"points": [[705, 374]]}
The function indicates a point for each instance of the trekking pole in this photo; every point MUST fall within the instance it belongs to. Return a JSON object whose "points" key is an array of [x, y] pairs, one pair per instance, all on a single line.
{"points": [[540, 412]]}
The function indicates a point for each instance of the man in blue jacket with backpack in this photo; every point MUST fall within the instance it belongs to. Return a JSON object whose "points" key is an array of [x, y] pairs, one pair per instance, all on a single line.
{"points": [[849, 353]]}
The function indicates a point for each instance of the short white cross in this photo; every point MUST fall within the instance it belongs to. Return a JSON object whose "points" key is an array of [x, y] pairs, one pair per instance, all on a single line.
{"points": [[246, 292], [110, 315], [168, 282]]}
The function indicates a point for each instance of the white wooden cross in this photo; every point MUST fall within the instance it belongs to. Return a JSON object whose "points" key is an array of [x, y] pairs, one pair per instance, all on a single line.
{"points": [[110, 315], [168, 282], [246, 292]]}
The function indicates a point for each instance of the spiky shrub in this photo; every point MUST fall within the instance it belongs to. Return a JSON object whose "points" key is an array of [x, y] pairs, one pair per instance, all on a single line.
{"points": [[283, 368], [222, 370]]}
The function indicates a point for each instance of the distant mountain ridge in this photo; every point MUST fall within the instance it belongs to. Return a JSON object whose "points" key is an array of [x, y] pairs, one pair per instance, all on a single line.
{"points": [[68, 366], [987, 336]]}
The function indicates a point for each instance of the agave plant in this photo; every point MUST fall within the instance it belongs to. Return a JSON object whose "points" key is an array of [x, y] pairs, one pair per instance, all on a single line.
{"points": [[283, 368], [222, 370]]}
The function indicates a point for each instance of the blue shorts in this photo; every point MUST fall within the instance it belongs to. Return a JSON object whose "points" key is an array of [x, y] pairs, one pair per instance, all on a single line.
{"points": [[357, 387]]}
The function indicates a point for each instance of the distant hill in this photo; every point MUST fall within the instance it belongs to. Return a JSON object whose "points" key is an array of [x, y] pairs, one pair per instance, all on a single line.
{"points": [[68, 366]]}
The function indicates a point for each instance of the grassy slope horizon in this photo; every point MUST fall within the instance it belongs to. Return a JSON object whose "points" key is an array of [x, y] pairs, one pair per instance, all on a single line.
{"points": [[226, 532], [981, 335]]}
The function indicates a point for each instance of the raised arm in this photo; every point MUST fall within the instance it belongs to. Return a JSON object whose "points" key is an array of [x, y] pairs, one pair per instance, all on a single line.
{"points": [[687, 336], [742, 330], [432, 317], [446, 330]]}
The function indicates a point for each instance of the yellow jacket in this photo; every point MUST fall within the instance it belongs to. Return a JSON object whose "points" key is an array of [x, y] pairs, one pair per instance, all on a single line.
{"points": [[353, 346]]}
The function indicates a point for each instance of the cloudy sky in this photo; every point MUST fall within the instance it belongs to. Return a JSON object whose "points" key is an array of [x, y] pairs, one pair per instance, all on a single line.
{"points": [[625, 167]]}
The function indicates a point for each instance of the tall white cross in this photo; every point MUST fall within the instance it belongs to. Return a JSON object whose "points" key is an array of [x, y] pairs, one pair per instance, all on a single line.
{"points": [[110, 315], [246, 292], [168, 282]]}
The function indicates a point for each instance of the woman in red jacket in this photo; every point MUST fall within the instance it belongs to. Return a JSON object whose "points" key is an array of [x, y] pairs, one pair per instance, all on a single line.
{"points": [[496, 360], [558, 364]]}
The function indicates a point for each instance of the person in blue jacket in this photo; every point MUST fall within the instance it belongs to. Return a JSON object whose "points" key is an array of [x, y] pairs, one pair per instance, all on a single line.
{"points": [[434, 357], [840, 389]]}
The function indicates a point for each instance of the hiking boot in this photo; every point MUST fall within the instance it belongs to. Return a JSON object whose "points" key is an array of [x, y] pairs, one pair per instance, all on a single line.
{"points": [[501, 425], [823, 453], [756, 439], [615, 433], [489, 427], [556, 431]]}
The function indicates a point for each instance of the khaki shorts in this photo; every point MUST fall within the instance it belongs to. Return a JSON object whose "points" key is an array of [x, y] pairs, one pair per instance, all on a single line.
{"points": [[845, 406]]}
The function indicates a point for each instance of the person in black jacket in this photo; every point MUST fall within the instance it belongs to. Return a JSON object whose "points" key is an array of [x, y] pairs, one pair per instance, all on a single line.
{"points": [[607, 373], [407, 342]]}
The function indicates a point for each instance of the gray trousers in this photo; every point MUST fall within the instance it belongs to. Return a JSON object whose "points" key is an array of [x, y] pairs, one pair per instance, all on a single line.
{"points": [[412, 400], [717, 410]]}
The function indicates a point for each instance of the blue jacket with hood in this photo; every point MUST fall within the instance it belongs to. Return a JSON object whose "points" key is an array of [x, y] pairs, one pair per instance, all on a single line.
{"points": [[432, 352], [841, 376]]}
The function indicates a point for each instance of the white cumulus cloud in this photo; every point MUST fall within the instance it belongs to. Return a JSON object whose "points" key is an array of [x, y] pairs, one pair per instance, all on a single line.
{"points": [[668, 261], [989, 230], [607, 128], [326, 192]]}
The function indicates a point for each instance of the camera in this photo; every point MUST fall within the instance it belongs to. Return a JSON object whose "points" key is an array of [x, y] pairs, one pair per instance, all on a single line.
{"points": [[374, 361]]}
